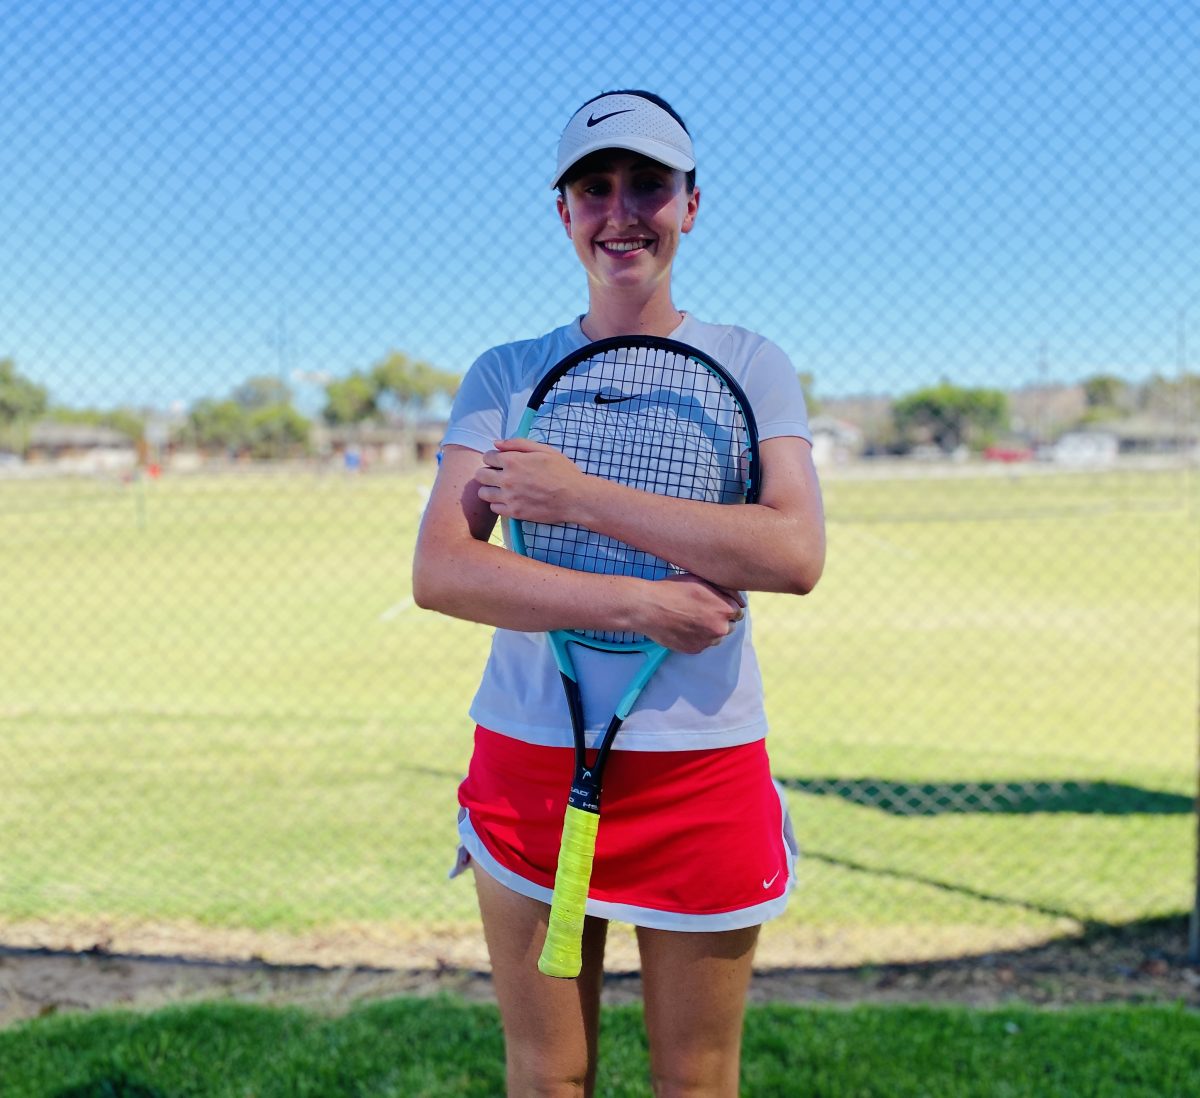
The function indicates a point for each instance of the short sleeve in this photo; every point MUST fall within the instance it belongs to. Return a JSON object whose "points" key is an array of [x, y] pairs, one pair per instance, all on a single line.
{"points": [[773, 389], [478, 414]]}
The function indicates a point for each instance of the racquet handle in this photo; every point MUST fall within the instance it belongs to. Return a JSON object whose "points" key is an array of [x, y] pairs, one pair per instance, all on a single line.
{"points": [[562, 954]]}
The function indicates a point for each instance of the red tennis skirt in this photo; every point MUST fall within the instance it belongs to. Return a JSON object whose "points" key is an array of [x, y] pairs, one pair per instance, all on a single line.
{"points": [[688, 840]]}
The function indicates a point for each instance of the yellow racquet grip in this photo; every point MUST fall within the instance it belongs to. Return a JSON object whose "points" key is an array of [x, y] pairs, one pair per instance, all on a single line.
{"points": [[562, 954]]}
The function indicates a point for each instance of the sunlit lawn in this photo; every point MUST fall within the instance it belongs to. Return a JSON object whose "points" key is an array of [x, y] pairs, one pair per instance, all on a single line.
{"points": [[218, 706]]}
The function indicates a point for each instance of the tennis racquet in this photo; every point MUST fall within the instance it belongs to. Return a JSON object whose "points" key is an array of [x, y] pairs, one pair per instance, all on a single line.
{"points": [[656, 415]]}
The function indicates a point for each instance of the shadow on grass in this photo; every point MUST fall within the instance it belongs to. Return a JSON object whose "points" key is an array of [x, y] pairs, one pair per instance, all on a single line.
{"points": [[941, 886], [1001, 798]]}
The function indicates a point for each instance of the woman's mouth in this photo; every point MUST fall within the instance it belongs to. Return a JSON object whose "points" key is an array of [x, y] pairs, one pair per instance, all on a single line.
{"points": [[624, 247]]}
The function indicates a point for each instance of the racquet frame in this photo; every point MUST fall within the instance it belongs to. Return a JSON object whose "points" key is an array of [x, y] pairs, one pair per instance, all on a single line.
{"points": [[561, 954]]}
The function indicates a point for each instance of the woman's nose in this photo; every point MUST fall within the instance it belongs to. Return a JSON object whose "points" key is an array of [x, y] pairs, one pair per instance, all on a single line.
{"points": [[623, 208]]}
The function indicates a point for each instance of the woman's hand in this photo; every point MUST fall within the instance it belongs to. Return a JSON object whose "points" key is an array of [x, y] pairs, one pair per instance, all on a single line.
{"points": [[530, 481], [458, 571], [688, 614]]}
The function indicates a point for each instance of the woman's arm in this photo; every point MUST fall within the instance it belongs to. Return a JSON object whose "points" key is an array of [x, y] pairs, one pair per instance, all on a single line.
{"points": [[457, 571], [776, 544]]}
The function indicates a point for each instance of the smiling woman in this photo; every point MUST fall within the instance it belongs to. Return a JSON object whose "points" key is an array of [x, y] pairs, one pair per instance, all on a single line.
{"points": [[695, 848], [626, 181], [625, 216]]}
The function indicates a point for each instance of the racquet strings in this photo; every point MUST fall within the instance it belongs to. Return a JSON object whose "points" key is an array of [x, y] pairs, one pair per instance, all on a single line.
{"points": [[649, 418]]}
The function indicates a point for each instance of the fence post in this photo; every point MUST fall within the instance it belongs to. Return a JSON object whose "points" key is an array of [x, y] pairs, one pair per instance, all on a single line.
{"points": [[1194, 923]]}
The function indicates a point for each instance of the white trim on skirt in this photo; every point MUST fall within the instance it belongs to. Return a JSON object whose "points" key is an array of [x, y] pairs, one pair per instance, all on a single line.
{"points": [[471, 849]]}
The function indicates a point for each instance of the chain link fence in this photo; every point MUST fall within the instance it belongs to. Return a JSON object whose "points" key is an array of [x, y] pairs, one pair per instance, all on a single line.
{"points": [[247, 249]]}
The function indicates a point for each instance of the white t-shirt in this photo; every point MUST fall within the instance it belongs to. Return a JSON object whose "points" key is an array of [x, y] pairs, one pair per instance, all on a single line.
{"points": [[712, 699]]}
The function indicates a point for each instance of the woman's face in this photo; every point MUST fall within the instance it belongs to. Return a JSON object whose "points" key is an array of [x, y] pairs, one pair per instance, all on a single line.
{"points": [[624, 215]]}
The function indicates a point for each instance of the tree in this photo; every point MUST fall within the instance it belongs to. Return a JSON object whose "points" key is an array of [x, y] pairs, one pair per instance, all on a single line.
{"points": [[1171, 398], [948, 415], [20, 399], [21, 402], [277, 431], [410, 385], [219, 425], [1104, 391], [128, 422], [263, 391], [349, 400], [1107, 397], [256, 418]]}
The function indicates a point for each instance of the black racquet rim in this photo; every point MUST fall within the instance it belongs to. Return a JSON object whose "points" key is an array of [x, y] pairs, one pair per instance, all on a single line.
{"points": [[673, 346]]}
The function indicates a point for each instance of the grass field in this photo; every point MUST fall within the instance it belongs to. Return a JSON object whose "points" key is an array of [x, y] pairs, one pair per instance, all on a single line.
{"points": [[430, 1048], [223, 726]]}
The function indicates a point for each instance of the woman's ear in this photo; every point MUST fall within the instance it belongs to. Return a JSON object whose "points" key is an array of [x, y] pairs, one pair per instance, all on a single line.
{"points": [[564, 215], [693, 207]]}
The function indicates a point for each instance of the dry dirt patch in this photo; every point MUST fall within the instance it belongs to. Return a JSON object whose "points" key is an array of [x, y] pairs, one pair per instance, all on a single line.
{"points": [[1142, 963]]}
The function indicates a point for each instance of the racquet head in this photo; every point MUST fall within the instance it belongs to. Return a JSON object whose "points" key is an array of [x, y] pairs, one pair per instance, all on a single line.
{"points": [[650, 413]]}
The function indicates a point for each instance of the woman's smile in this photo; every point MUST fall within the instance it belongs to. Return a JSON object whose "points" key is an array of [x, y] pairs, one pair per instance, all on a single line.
{"points": [[625, 246], [625, 215]]}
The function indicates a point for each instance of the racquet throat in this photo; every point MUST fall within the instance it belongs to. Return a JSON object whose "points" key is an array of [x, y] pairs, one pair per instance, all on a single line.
{"points": [[585, 792]]}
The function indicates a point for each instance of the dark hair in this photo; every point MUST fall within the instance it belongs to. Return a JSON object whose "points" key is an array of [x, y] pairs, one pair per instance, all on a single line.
{"points": [[575, 171]]}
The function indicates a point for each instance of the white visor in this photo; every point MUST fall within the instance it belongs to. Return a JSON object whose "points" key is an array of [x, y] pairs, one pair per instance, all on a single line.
{"points": [[624, 122]]}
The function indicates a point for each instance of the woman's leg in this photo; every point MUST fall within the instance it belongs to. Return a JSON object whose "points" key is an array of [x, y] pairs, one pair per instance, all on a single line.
{"points": [[694, 987], [551, 1026]]}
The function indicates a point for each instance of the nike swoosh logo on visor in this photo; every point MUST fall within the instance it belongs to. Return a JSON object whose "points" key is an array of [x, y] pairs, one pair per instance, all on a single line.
{"points": [[600, 398], [593, 121]]}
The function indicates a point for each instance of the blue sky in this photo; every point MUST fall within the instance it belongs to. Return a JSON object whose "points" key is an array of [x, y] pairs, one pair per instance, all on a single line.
{"points": [[193, 193]]}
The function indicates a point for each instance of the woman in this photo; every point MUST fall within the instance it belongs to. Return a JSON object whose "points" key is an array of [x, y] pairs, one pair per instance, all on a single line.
{"points": [[694, 846]]}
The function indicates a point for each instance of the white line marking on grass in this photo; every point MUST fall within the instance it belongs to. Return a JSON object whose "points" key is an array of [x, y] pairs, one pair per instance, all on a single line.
{"points": [[395, 611]]}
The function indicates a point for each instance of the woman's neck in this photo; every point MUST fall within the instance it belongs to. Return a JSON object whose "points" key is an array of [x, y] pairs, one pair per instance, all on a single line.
{"points": [[607, 317]]}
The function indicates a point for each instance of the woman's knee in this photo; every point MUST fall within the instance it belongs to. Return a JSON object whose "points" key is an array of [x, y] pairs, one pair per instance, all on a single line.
{"points": [[535, 1070]]}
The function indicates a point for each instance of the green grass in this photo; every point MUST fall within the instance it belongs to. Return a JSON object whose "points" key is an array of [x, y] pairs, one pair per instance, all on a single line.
{"points": [[218, 709], [434, 1047]]}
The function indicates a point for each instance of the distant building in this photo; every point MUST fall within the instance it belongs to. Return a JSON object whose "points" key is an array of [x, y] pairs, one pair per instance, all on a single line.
{"points": [[1154, 434], [1086, 449], [362, 446], [869, 416], [834, 440], [1137, 436], [80, 448]]}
